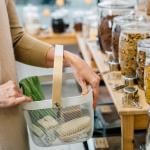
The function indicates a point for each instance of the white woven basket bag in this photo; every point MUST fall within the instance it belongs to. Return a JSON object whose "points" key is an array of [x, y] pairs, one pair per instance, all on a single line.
{"points": [[63, 120]]}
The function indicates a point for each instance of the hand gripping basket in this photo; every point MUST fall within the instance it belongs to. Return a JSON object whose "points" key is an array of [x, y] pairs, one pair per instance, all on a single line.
{"points": [[59, 120]]}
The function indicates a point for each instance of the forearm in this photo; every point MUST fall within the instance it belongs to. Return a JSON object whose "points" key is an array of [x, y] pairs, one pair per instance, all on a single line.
{"points": [[32, 51]]}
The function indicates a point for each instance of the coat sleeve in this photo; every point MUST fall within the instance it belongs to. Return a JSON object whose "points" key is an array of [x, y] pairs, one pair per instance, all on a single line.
{"points": [[27, 49]]}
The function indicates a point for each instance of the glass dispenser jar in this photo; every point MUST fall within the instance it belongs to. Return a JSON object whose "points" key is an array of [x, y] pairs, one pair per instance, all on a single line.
{"points": [[118, 23], [143, 48], [129, 37], [147, 77], [107, 11]]}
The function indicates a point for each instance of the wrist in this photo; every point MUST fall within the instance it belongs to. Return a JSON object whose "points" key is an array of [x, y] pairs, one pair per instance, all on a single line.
{"points": [[70, 59], [50, 57]]}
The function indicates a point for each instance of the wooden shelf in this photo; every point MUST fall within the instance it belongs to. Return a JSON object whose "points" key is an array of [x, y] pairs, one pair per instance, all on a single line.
{"points": [[67, 38], [100, 58], [131, 118]]}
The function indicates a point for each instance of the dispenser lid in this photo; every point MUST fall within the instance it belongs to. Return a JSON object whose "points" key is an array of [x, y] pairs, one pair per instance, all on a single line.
{"points": [[115, 4]]}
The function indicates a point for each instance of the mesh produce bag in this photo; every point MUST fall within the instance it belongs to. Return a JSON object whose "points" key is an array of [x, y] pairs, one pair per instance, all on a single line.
{"points": [[58, 120]]}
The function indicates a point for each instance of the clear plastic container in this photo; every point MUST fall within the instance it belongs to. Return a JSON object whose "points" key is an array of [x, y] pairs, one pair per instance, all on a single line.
{"points": [[119, 22], [143, 48], [129, 37], [107, 11]]}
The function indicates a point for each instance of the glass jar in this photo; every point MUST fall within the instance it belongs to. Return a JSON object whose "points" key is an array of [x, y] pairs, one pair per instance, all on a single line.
{"points": [[107, 11], [147, 77], [90, 26], [143, 47], [78, 16], [78, 24], [119, 22], [129, 37], [31, 19]]}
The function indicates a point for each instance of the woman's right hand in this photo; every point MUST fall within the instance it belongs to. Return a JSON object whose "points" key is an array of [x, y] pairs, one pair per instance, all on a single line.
{"points": [[11, 95]]}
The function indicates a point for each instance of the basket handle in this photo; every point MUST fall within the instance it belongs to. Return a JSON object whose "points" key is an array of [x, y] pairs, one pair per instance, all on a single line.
{"points": [[57, 77]]}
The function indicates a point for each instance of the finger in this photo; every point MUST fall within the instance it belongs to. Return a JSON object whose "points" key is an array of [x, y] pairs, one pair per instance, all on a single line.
{"points": [[14, 93], [82, 84], [16, 88], [96, 93], [94, 80], [20, 100], [84, 87]]}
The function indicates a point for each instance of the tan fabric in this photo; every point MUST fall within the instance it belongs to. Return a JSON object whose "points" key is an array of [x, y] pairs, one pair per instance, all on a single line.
{"points": [[27, 50]]}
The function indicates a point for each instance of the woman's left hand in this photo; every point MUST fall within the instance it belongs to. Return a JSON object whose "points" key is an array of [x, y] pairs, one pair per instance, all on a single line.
{"points": [[84, 74]]}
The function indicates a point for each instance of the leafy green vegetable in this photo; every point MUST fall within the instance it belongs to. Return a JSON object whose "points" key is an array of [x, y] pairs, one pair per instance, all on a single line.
{"points": [[31, 87]]}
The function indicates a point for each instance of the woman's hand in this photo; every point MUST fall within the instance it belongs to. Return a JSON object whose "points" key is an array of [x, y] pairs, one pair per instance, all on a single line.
{"points": [[84, 74], [11, 95]]}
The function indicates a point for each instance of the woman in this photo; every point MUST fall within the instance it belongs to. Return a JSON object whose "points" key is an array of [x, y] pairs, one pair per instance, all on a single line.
{"points": [[16, 44]]}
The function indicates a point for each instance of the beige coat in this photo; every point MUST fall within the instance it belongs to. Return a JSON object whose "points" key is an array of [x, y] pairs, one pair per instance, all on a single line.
{"points": [[14, 42]]}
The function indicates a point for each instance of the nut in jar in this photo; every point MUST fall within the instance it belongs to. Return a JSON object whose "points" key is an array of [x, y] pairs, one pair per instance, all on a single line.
{"points": [[118, 23]]}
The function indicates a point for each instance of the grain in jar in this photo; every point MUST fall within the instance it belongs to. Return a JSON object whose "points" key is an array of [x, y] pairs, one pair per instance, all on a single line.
{"points": [[129, 37], [147, 77], [107, 11], [118, 23], [143, 48]]}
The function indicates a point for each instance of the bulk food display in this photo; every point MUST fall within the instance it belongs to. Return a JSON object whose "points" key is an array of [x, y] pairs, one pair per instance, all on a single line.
{"points": [[129, 37], [119, 22], [107, 11], [143, 48]]}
